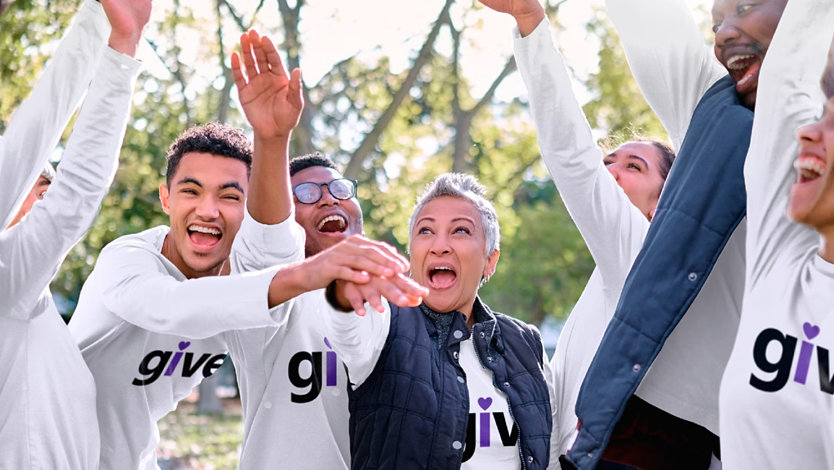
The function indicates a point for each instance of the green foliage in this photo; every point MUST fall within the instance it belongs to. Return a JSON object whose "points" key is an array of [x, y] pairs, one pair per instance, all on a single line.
{"points": [[27, 29], [543, 264], [618, 107]]}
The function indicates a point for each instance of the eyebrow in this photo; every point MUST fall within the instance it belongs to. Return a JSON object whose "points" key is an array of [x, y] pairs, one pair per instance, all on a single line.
{"points": [[640, 158], [231, 184]]}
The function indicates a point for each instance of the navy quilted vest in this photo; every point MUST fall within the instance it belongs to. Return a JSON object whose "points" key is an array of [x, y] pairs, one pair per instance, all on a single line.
{"points": [[412, 411], [703, 202]]}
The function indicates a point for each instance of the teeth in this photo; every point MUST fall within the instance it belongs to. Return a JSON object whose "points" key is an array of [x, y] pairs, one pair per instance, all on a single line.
{"points": [[201, 229], [732, 63], [442, 268], [331, 218], [809, 167]]}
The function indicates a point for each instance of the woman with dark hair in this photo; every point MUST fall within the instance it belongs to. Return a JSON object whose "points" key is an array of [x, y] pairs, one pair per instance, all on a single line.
{"points": [[610, 196]]}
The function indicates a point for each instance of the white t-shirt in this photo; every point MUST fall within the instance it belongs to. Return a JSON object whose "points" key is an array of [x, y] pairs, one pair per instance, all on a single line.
{"points": [[673, 73], [149, 336], [293, 385], [777, 398], [491, 433], [48, 416]]}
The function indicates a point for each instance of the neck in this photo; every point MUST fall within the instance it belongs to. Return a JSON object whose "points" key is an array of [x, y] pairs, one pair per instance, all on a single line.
{"points": [[827, 244]]}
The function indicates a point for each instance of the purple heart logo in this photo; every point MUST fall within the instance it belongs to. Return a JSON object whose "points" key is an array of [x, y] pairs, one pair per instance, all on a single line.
{"points": [[810, 330], [184, 344], [485, 402]]}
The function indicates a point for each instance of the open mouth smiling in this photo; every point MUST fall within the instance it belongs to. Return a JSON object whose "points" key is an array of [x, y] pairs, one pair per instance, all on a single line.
{"points": [[204, 237], [744, 68], [334, 223], [441, 276], [809, 168]]}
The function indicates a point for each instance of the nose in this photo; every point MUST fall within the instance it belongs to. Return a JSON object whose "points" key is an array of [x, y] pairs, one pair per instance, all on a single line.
{"points": [[207, 208], [810, 133], [327, 199], [726, 33], [440, 245]]}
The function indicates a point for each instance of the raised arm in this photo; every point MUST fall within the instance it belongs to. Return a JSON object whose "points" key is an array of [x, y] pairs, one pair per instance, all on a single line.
{"points": [[36, 126], [788, 97], [272, 102], [667, 55], [32, 251], [612, 227]]}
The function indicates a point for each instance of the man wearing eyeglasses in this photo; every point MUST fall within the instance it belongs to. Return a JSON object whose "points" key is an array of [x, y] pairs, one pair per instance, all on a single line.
{"points": [[292, 384]]}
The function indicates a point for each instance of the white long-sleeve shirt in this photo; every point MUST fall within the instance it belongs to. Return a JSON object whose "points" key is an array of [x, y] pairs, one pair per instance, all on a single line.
{"points": [[48, 417], [777, 406], [149, 336], [292, 383], [33, 132], [673, 68], [613, 228]]}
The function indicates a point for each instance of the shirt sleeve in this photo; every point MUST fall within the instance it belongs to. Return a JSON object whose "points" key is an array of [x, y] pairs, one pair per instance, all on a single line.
{"points": [[357, 340], [788, 97], [32, 251], [136, 287], [671, 62], [259, 246], [36, 126], [612, 227]]}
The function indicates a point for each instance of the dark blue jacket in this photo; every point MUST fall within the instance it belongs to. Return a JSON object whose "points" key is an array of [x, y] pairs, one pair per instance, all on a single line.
{"points": [[412, 411], [703, 202]]}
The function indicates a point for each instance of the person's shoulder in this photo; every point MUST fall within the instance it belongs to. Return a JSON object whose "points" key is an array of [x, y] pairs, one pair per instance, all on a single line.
{"points": [[510, 324], [149, 240]]}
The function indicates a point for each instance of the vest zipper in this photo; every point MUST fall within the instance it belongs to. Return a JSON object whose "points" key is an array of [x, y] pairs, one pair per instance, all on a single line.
{"points": [[509, 404]]}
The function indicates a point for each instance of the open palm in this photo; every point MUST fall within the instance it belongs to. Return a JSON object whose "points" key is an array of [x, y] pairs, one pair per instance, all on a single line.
{"points": [[271, 100]]}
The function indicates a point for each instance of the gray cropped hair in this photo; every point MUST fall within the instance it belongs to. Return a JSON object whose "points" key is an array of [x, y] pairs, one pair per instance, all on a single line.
{"points": [[462, 186]]}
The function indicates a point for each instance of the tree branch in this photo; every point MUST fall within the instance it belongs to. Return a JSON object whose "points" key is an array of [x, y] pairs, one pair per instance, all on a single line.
{"points": [[371, 139]]}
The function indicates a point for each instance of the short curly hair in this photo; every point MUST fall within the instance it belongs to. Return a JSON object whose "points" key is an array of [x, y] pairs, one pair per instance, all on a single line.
{"points": [[214, 138], [310, 160]]}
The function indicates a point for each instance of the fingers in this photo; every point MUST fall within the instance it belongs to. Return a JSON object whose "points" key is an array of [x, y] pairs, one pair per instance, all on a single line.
{"points": [[355, 298], [296, 95], [237, 73], [261, 62], [271, 57], [248, 56]]}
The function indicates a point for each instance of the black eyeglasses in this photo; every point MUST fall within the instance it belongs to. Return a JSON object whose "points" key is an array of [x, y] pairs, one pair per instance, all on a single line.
{"points": [[310, 193]]}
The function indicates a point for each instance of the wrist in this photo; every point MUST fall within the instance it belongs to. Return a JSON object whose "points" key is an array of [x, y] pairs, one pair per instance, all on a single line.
{"points": [[126, 44], [529, 20], [331, 293]]}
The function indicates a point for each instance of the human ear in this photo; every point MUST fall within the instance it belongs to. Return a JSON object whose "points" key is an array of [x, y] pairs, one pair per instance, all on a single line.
{"points": [[163, 198]]}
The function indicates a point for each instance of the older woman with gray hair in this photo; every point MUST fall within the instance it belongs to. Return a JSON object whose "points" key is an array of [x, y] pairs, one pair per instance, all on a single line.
{"points": [[447, 384]]}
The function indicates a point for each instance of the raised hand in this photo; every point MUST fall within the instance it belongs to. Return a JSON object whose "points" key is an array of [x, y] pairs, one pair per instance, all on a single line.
{"points": [[527, 13], [127, 21], [271, 100]]}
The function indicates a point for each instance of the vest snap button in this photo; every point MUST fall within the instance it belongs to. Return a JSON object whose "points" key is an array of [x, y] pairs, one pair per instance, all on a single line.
{"points": [[636, 367], [461, 380], [506, 384], [457, 445], [692, 277], [458, 334], [530, 459]]}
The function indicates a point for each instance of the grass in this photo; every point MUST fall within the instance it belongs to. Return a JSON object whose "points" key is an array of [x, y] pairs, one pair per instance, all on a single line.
{"points": [[192, 441]]}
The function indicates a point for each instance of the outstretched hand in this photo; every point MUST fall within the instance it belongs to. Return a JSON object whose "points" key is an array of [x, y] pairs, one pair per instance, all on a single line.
{"points": [[127, 21], [271, 100], [364, 270]]}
